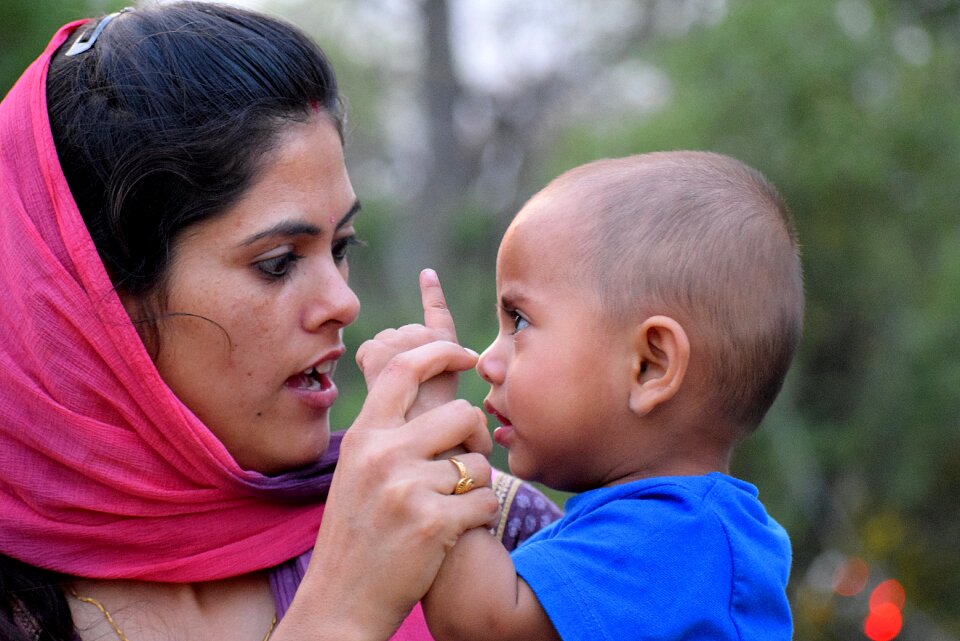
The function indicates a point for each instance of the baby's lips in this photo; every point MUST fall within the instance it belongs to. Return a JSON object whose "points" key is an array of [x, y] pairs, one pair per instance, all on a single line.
{"points": [[492, 411], [503, 435]]}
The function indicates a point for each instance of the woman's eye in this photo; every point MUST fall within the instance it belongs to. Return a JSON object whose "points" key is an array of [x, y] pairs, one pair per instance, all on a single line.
{"points": [[279, 266], [519, 322], [342, 246]]}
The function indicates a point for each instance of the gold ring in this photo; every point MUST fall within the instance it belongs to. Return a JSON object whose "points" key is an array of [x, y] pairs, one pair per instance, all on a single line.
{"points": [[465, 484]]}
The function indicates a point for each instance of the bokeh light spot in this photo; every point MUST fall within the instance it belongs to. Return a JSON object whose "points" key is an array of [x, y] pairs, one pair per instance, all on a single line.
{"points": [[851, 577], [889, 591], [883, 533], [883, 623]]}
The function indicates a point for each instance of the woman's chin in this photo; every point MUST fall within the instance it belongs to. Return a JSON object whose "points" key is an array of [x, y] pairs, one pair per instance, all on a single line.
{"points": [[292, 457]]}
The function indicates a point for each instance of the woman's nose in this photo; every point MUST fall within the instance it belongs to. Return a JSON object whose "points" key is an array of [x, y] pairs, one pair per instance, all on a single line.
{"points": [[491, 367], [332, 302]]}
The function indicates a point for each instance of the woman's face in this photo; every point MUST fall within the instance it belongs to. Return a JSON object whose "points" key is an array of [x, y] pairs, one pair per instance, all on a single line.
{"points": [[258, 299]]}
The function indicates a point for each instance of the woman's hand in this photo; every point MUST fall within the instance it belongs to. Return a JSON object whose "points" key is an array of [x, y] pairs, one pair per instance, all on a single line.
{"points": [[391, 515]]}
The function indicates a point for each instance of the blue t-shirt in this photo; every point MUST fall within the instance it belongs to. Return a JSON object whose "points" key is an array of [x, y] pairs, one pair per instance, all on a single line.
{"points": [[669, 558]]}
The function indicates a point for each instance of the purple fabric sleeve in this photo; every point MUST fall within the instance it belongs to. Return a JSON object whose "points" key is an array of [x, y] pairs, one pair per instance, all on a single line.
{"points": [[524, 510]]}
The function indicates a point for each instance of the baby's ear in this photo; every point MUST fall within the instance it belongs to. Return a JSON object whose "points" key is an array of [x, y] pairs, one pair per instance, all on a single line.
{"points": [[661, 356]]}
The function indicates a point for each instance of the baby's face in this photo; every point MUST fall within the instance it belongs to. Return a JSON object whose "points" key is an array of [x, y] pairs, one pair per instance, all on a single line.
{"points": [[556, 371]]}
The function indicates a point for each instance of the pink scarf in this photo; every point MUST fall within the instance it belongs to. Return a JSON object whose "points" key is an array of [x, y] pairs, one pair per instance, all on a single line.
{"points": [[103, 472]]}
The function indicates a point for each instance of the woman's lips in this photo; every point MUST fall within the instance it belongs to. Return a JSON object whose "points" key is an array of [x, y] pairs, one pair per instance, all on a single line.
{"points": [[314, 386]]}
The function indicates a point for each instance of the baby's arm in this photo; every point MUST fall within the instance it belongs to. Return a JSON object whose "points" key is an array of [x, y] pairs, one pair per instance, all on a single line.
{"points": [[478, 596]]}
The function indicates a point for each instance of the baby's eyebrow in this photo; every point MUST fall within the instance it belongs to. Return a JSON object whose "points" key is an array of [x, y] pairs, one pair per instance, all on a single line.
{"points": [[512, 300]]}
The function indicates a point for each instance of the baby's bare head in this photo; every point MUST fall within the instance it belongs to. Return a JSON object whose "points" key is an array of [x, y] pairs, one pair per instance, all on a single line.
{"points": [[699, 237]]}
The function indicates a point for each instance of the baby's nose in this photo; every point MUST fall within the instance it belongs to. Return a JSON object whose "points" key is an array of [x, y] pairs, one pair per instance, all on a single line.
{"points": [[490, 366]]}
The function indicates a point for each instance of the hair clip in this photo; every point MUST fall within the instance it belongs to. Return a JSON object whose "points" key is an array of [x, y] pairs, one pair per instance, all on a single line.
{"points": [[89, 37]]}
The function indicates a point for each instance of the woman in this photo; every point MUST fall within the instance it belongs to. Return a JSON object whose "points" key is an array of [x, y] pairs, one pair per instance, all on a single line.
{"points": [[174, 227]]}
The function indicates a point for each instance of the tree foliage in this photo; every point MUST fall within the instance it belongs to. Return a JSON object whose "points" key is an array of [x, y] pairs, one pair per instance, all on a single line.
{"points": [[29, 24]]}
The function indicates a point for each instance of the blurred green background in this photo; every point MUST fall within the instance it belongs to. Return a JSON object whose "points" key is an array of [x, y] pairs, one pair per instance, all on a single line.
{"points": [[460, 111]]}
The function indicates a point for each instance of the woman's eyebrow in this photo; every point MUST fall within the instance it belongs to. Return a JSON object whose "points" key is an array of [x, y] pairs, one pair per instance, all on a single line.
{"points": [[289, 228], [353, 211]]}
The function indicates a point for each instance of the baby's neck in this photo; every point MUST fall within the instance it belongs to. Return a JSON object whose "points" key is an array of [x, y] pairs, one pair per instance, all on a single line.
{"points": [[677, 468], [674, 452]]}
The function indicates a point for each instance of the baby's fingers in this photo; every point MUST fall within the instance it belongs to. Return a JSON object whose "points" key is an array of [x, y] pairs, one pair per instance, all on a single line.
{"points": [[396, 388], [374, 354], [436, 314]]}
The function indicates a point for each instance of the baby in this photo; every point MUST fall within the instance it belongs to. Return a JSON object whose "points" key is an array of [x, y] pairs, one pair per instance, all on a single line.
{"points": [[649, 308]]}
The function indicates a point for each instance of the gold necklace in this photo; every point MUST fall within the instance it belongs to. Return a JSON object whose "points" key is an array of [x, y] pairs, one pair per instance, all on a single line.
{"points": [[119, 632]]}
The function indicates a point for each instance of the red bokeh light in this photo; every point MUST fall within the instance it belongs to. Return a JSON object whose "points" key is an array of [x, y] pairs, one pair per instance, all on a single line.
{"points": [[883, 623], [889, 591]]}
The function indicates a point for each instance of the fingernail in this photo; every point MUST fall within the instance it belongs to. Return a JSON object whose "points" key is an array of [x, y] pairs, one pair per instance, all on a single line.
{"points": [[471, 352], [429, 274]]}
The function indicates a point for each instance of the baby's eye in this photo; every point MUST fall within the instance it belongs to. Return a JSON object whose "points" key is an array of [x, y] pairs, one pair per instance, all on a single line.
{"points": [[519, 322], [342, 246], [277, 267]]}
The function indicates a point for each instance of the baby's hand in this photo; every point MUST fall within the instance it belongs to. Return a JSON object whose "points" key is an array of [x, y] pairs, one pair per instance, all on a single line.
{"points": [[438, 325]]}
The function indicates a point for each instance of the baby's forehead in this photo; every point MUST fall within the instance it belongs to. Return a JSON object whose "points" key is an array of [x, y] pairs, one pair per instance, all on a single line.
{"points": [[559, 207], [546, 241], [547, 234]]}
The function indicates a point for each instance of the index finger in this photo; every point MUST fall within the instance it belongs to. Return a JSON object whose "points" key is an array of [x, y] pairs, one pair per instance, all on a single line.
{"points": [[436, 314]]}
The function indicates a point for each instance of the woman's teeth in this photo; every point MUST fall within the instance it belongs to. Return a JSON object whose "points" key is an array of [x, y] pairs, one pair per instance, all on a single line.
{"points": [[322, 368], [312, 375]]}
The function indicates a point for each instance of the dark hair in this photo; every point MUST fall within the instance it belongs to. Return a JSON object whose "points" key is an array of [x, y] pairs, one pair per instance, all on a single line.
{"points": [[33, 606], [707, 237], [162, 124]]}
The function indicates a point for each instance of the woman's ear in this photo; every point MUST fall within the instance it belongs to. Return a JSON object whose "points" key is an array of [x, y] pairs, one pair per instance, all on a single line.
{"points": [[661, 356]]}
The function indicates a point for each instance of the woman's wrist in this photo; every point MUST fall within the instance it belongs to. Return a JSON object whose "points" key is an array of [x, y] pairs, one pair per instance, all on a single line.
{"points": [[326, 617], [294, 628], [325, 608]]}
